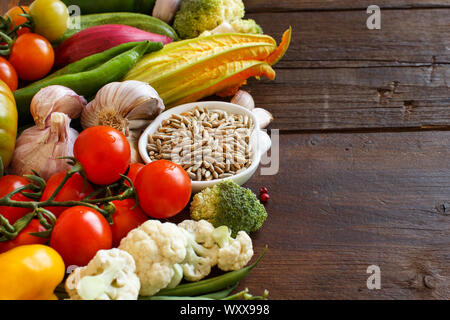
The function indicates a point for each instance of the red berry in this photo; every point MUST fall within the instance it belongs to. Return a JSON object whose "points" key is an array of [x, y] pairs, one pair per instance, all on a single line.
{"points": [[263, 190], [264, 197]]}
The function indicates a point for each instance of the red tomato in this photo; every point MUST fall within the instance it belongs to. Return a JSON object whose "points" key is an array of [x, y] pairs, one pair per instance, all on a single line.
{"points": [[132, 173], [163, 189], [8, 74], [8, 184], [32, 56], [15, 14], [72, 190], [125, 219], [24, 237], [79, 233], [104, 153]]}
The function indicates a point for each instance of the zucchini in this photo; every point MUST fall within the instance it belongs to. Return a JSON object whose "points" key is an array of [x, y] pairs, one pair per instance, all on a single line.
{"points": [[137, 20], [99, 6]]}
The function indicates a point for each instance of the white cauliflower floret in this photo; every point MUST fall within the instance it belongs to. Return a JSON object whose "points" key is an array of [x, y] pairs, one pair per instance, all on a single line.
{"points": [[110, 275], [233, 254], [201, 251], [202, 229], [156, 247]]}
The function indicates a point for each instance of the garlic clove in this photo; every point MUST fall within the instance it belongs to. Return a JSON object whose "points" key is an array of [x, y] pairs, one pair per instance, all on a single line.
{"points": [[55, 99], [263, 116], [244, 99], [40, 150], [166, 9]]}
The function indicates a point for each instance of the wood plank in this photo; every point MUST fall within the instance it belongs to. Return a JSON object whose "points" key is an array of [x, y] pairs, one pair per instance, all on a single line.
{"points": [[337, 74], [341, 39], [297, 5], [356, 98], [343, 202]]}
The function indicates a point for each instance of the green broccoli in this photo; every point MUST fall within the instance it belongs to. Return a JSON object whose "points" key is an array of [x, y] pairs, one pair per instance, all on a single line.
{"points": [[197, 16], [228, 204]]}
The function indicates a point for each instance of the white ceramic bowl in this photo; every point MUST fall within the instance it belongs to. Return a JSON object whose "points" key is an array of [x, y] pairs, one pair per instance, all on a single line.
{"points": [[259, 140]]}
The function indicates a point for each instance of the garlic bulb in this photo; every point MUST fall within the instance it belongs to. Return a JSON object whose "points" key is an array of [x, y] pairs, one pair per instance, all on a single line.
{"points": [[127, 106], [39, 149], [264, 117], [55, 99], [244, 99], [166, 9]]}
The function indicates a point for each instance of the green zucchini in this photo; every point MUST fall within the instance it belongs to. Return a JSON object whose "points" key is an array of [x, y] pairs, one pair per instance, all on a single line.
{"points": [[137, 20], [99, 6]]}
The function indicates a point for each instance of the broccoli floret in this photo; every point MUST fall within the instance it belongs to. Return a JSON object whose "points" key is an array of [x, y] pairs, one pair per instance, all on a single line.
{"points": [[246, 26], [196, 16], [228, 204]]}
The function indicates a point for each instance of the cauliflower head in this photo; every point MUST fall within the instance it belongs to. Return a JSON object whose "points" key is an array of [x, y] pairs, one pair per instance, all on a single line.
{"points": [[209, 246], [110, 275], [196, 16], [156, 247], [228, 204], [233, 254], [201, 251]]}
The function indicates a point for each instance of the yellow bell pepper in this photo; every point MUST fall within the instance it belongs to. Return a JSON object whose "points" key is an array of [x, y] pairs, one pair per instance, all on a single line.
{"points": [[30, 272]]}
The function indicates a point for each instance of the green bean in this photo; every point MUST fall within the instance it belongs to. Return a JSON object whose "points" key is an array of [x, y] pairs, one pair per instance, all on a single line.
{"points": [[221, 294], [173, 298], [212, 284], [210, 296]]}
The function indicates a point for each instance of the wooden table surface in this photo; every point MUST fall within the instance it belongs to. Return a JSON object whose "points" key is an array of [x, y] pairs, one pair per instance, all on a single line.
{"points": [[364, 177]]}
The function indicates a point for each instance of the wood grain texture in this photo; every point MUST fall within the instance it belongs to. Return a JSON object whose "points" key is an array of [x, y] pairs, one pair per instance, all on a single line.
{"points": [[337, 74], [342, 202], [315, 5]]}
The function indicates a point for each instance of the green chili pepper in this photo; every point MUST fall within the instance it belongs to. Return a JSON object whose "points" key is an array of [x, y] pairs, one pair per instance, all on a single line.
{"points": [[97, 59], [88, 75]]}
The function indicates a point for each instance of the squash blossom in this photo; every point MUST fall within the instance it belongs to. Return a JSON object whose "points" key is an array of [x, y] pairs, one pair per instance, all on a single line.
{"points": [[188, 70]]}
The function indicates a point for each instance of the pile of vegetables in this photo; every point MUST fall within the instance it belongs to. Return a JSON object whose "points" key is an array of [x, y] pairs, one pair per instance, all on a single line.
{"points": [[74, 193]]}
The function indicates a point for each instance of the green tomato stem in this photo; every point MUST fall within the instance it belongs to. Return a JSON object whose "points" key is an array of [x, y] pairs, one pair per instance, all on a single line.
{"points": [[10, 232]]}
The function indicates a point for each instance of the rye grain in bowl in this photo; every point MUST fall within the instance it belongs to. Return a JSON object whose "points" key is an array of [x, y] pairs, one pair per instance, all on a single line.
{"points": [[211, 140]]}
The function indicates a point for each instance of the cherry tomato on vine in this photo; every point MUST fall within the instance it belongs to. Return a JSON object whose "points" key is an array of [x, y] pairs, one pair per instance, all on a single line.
{"points": [[79, 233], [24, 237], [163, 189], [74, 189], [15, 15], [32, 56], [8, 74], [133, 171], [49, 18], [104, 153], [125, 219], [8, 184]]}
